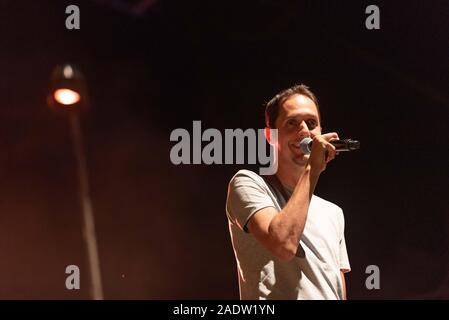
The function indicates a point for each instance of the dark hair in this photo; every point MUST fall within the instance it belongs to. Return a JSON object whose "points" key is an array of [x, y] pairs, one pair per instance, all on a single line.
{"points": [[272, 107]]}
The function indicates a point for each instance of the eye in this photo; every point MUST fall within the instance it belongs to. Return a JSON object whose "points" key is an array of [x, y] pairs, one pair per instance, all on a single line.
{"points": [[291, 123], [311, 124]]}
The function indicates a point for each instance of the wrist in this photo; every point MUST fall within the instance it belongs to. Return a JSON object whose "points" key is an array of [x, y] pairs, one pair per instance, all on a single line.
{"points": [[313, 172]]}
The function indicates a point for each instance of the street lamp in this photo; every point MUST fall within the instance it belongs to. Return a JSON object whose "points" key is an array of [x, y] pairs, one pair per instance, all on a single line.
{"points": [[68, 94]]}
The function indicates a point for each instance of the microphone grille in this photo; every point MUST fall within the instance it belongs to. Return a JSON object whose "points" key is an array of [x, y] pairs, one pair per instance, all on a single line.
{"points": [[305, 145]]}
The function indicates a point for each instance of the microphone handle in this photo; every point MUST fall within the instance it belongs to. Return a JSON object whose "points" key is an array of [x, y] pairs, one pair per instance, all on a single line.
{"points": [[345, 145], [340, 145]]}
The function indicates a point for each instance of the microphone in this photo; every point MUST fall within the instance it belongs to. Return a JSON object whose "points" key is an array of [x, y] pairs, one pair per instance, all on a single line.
{"points": [[340, 145]]}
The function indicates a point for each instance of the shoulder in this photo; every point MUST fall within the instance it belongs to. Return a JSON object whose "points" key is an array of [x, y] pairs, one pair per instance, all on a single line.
{"points": [[246, 177]]}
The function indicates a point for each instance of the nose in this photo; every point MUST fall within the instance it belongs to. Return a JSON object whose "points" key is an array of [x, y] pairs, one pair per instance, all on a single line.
{"points": [[303, 130]]}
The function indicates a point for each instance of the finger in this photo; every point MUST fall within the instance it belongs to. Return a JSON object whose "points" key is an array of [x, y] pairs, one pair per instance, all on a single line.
{"points": [[337, 138], [330, 136], [330, 151]]}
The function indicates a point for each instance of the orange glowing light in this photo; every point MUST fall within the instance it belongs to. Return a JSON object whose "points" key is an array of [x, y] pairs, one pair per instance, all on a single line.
{"points": [[66, 96]]}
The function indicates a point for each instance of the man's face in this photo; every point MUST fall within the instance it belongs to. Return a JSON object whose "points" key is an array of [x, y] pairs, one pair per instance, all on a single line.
{"points": [[297, 119]]}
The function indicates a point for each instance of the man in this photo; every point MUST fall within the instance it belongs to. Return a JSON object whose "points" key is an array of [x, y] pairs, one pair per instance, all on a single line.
{"points": [[289, 243]]}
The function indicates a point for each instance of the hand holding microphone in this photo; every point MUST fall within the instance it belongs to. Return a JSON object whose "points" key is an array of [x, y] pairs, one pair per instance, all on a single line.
{"points": [[323, 149], [340, 145]]}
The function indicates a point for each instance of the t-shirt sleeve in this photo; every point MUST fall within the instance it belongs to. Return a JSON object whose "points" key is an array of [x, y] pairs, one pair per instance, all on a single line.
{"points": [[246, 196], [344, 259]]}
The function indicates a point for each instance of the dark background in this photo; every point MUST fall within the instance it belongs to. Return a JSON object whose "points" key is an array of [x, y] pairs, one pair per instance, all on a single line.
{"points": [[161, 229]]}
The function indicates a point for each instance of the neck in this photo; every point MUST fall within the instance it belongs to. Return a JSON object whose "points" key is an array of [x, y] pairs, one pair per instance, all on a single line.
{"points": [[289, 178]]}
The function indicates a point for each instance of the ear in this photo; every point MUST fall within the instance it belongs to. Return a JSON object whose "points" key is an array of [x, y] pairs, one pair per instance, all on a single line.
{"points": [[268, 134]]}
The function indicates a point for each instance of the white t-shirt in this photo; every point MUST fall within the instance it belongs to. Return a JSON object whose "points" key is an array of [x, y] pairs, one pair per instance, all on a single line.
{"points": [[314, 273]]}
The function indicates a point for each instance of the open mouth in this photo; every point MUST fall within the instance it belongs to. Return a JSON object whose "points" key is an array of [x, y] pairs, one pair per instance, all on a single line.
{"points": [[296, 149]]}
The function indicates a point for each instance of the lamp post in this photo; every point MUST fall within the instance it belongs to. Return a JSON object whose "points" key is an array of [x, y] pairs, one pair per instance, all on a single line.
{"points": [[68, 95]]}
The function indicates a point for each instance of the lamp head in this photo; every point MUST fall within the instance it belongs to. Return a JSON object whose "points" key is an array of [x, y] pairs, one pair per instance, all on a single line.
{"points": [[67, 89]]}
